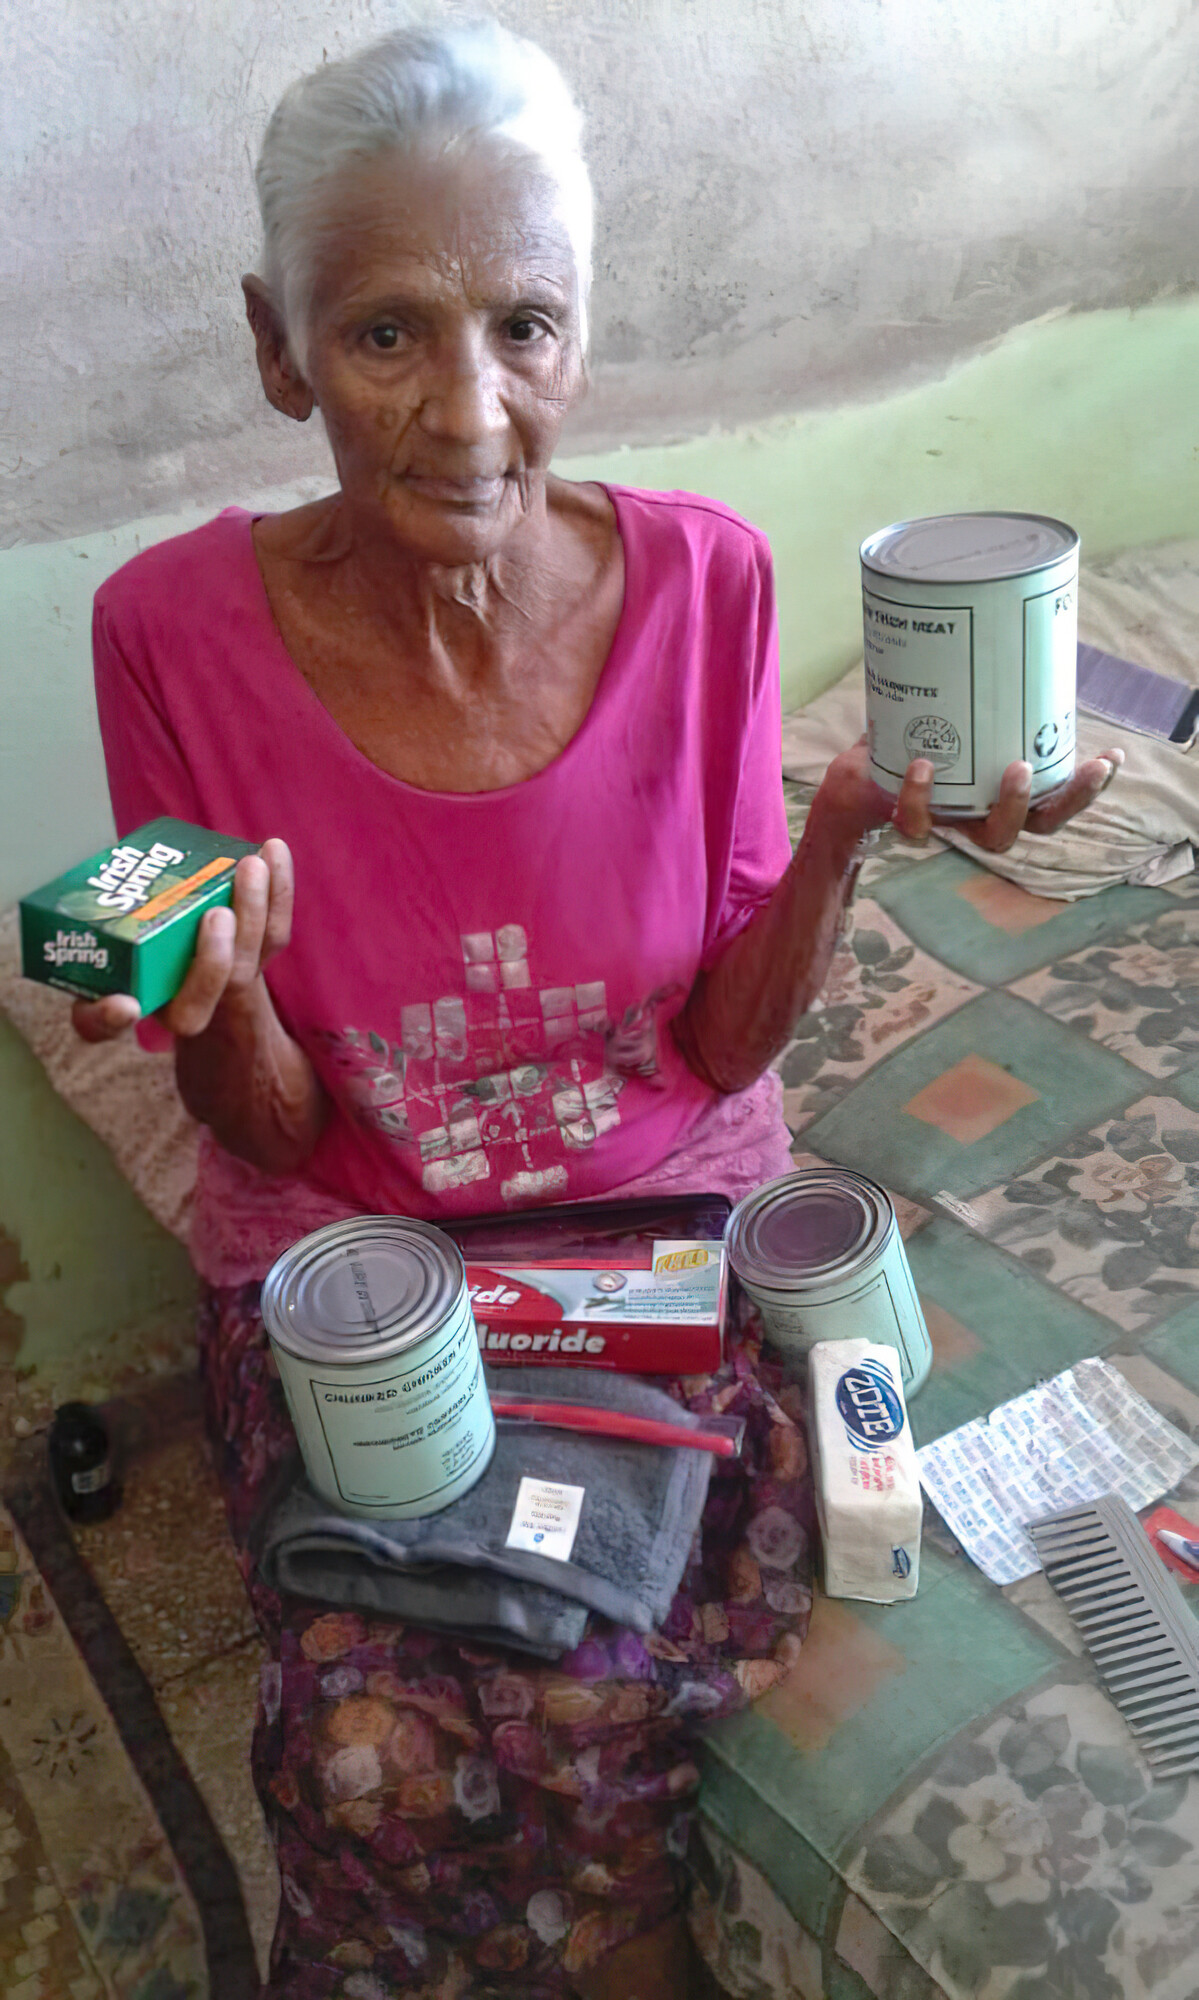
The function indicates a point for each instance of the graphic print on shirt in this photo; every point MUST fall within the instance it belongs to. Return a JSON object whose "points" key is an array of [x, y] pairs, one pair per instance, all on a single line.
{"points": [[503, 1081]]}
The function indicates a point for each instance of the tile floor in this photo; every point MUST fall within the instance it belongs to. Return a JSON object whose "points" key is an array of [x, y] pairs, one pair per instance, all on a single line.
{"points": [[165, 1566], [92, 1902]]}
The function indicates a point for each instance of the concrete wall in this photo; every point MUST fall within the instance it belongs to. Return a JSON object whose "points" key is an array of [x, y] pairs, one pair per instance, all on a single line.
{"points": [[801, 203]]}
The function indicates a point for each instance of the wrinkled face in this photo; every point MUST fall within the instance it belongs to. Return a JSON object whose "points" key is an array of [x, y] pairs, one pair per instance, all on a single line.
{"points": [[443, 345]]}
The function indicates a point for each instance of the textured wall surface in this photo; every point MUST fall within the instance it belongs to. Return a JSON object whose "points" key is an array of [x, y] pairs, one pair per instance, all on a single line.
{"points": [[801, 203]]}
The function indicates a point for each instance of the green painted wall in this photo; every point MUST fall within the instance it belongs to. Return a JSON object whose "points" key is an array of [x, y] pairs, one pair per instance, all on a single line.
{"points": [[1090, 417], [102, 1282], [1093, 417]]}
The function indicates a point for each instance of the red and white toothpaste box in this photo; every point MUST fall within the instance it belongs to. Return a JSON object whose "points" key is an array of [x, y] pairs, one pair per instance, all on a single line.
{"points": [[660, 1316]]}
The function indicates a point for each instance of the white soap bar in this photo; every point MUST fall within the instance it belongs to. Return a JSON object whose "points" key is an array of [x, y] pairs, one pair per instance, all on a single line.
{"points": [[867, 1483]]}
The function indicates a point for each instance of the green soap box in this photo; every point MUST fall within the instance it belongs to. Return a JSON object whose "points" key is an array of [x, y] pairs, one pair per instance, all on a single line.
{"points": [[125, 921]]}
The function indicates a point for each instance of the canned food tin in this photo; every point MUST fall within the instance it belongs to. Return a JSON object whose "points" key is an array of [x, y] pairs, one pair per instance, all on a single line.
{"points": [[820, 1254], [371, 1327], [971, 635]]}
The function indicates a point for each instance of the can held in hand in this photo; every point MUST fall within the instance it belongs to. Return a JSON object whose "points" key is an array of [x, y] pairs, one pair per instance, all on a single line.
{"points": [[371, 1327], [971, 635], [820, 1254]]}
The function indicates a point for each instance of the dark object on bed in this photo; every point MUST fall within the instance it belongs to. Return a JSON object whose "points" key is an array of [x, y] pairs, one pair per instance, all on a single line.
{"points": [[1136, 697]]}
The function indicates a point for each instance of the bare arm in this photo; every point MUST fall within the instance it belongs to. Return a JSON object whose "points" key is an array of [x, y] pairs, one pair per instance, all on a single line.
{"points": [[742, 1013], [239, 1071]]}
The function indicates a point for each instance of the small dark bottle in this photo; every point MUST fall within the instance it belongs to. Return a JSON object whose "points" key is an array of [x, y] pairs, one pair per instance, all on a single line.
{"points": [[81, 1463]]}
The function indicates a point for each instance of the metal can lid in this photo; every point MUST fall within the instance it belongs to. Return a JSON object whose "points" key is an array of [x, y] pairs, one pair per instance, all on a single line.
{"points": [[363, 1290], [968, 548], [799, 1229]]}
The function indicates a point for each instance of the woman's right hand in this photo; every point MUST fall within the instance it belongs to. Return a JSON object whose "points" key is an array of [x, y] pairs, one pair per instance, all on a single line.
{"points": [[238, 1070], [232, 947]]}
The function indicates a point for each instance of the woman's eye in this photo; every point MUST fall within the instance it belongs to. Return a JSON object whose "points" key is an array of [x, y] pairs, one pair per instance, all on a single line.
{"points": [[525, 330], [385, 336]]}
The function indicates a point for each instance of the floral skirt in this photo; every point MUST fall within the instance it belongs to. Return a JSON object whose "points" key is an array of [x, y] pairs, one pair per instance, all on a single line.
{"points": [[451, 1819]]}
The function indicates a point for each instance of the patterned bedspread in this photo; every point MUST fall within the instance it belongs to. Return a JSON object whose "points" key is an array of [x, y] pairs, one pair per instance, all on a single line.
{"points": [[942, 1800]]}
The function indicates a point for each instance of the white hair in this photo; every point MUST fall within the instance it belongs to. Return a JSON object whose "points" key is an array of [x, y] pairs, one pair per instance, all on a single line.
{"points": [[418, 86]]}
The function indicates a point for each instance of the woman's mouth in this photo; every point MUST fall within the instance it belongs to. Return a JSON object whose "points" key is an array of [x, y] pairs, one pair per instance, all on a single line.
{"points": [[476, 492]]}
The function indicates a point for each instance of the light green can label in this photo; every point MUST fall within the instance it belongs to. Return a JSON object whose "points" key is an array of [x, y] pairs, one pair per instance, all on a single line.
{"points": [[373, 1335], [399, 1438], [881, 1305], [920, 687], [418, 1422]]}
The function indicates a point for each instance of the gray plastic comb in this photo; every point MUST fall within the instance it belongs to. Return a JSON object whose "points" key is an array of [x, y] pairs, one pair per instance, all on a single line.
{"points": [[1135, 1622]]}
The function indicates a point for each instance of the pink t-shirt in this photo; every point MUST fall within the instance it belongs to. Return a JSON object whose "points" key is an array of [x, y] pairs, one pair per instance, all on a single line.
{"points": [[483, 981]]}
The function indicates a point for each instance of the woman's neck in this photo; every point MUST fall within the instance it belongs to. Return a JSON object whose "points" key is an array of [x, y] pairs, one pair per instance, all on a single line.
{"points": [[428, 607]]}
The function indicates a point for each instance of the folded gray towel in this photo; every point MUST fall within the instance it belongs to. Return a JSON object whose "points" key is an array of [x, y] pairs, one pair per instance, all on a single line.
{"points": [[314, 1558], [640, 1513]]}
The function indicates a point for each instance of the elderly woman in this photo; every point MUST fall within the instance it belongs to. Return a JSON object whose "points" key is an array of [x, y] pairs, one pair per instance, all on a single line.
{"points": [[518, 739]]}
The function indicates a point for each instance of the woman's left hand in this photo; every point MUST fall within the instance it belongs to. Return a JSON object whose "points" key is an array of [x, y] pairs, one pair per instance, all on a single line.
{"points": [[851, 801]]}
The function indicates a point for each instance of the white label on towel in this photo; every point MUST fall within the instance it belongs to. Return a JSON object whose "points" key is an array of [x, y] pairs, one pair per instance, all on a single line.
{"points": [[546, 1518]]}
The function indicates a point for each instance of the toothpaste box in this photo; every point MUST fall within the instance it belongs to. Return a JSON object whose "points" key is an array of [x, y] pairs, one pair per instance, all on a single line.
{"points": [[125, 921], [657, 1315], [868, 1497]]}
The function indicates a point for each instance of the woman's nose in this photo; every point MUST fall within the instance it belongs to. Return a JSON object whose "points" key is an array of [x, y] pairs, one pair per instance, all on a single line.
{"points": [[463, 401]]}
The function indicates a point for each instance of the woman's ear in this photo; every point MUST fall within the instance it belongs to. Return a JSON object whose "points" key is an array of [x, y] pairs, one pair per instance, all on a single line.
{"points": [[282, 381]]}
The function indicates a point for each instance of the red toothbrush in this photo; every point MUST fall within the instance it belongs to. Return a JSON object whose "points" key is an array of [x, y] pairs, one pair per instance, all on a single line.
{"points": [[613, 1423]]}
